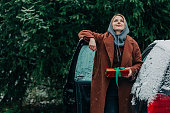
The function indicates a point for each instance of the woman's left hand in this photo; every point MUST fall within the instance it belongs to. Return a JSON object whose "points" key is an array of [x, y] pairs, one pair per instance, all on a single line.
{"points": [[130, 72]]}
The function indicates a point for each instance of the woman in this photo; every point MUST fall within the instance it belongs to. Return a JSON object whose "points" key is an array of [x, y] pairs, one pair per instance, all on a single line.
{"points": [[113, 49]]}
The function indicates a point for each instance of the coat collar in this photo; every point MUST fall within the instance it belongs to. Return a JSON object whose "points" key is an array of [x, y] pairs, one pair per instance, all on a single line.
{"points": [[109, 44]]}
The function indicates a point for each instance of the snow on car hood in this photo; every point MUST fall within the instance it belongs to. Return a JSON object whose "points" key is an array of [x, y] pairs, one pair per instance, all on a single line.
{"points": [[152, 73]]}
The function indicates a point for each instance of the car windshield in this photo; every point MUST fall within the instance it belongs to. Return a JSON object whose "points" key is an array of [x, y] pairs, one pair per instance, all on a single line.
{"points": [[84, 65]]}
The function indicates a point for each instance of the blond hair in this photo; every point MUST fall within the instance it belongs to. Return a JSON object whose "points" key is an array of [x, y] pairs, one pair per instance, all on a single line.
{"points": [[119, 15]]}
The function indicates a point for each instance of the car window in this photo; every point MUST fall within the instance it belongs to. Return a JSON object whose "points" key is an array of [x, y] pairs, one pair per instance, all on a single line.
{"points": [[147, 51], [84, 65]]}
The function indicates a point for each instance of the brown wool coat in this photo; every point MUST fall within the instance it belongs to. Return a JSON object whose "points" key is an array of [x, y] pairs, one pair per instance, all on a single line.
{"points": [[104, 59]]}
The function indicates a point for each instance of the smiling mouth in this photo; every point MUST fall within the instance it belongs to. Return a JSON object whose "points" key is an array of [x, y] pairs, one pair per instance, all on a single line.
{"points": [[118, 25]]}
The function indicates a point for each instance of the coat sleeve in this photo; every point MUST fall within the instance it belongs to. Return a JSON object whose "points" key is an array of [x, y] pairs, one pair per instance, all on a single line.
{"points": [[137, 60], [87, 34]]}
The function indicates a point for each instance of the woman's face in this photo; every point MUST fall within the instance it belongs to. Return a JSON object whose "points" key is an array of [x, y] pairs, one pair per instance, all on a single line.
{"points": [[118, 24]]}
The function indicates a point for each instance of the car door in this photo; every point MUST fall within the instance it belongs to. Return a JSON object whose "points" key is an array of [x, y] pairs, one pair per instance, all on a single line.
{"points": [[77, 89]]}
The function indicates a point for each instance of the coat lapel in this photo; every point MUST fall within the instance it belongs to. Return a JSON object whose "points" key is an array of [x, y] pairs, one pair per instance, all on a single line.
{"points": [[127, 52], [109, 45]]}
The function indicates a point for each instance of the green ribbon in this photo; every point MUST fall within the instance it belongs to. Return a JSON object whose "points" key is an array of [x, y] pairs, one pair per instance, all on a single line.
{"points": [[118, 74]]}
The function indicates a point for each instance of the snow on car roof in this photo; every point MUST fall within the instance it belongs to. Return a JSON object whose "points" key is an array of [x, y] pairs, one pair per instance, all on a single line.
{"points": [[151, 74]]}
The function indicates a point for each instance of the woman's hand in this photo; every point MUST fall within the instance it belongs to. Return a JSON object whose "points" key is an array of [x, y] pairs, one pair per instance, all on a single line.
{"points": [[92, 44], [130, 72]]}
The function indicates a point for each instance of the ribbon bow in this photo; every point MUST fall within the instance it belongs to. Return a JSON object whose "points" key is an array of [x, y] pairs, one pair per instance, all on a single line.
{"points": [[118, 74]]}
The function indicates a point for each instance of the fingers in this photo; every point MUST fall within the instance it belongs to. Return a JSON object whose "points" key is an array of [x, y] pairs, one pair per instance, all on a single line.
{"points": [[92, 47], [130, 72], [92, 44]]}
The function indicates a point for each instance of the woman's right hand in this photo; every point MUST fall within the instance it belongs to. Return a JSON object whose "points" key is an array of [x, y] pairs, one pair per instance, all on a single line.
{"points": [[92, 44]]}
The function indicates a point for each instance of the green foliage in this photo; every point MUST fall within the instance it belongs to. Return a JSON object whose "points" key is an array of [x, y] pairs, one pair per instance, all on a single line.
{"points": [[38, 37], [148, 20], [32, 49], [11, 109]]}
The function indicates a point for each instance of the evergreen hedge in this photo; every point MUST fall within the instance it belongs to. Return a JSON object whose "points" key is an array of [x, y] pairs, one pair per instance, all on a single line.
{"points": [[38, 37]]}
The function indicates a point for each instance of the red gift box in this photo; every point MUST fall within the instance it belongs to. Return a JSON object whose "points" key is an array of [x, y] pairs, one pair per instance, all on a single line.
{"points": [[111, 72]]}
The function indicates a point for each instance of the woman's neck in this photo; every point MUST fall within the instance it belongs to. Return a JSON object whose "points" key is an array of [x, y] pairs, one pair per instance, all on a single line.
{"points": [[117, 32]]}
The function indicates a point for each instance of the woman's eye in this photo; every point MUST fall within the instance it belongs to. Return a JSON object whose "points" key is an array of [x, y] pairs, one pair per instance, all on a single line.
{"points": [[121, 20], [115, 20]]}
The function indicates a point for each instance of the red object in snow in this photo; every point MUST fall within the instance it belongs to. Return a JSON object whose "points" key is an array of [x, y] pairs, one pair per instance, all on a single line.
{"points": [[161, 104], [111, 72]]}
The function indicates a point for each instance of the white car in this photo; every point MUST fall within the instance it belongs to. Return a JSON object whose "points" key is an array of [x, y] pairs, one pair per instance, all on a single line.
{"points": [[151, 90]]}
